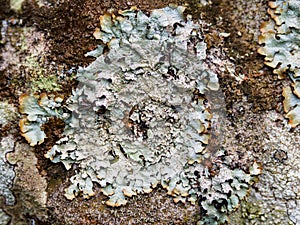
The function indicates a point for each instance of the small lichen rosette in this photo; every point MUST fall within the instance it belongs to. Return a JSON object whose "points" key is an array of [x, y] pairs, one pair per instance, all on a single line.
{"points": [[139, 113]]}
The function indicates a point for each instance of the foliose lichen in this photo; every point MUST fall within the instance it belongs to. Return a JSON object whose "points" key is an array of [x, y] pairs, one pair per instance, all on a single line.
{"points": [[291, 105], [140, 117], [280, 37], [38, 111], [139, 113], [221, 193]]}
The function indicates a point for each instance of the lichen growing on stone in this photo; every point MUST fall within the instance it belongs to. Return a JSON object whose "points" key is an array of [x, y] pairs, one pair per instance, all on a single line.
{"points": [[38, 112], [30, 186], [222, 193], [275, 198], [7, 113], [40, 79], [291, 105], [140, 117], [280, 37], [7, 173], [139, 114]]}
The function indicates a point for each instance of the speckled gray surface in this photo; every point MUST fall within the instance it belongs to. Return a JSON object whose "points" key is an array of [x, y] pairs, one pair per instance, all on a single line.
{"points": [[275, 199]]}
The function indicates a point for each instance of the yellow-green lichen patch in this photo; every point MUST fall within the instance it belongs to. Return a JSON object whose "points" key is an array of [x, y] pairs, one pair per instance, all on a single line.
{"points": [[255, 211], [40, 79], [25, 61]]}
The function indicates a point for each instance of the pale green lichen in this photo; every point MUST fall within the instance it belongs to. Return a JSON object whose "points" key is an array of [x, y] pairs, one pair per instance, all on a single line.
{"points": [[291, 105], [137, 120], [38, 112], [222, 193], [140, 117], [280, 36]]}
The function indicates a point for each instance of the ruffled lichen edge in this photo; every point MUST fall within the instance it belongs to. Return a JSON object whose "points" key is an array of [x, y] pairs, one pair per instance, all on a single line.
{"points": [[280, 39]]}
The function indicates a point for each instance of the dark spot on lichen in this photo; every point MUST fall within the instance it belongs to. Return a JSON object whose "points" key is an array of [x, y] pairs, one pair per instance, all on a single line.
{"points": [[280, 155]]}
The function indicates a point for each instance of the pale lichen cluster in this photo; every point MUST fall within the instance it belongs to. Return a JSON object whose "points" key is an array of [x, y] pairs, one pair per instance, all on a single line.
{"points": [[4, 218], [222, 193], [275, 199], [140, 117], [7, 113], [7, 173], [38, 112], [280, 37]]}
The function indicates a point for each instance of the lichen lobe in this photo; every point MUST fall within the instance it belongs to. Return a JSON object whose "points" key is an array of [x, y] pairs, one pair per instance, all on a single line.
{"points": [[280, 37]]}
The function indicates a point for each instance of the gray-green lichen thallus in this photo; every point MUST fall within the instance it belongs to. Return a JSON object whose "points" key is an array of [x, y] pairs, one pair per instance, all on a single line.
{"points": [[140, 117], [280, 36]]}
